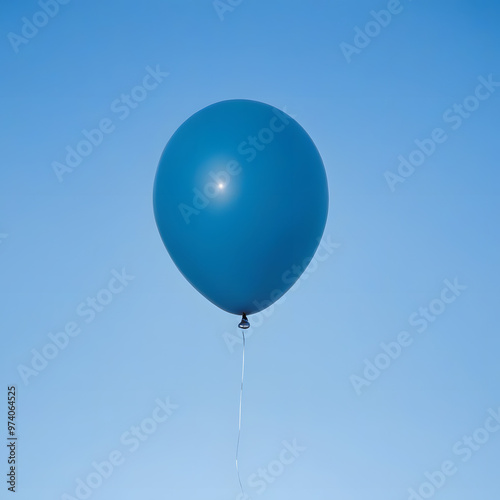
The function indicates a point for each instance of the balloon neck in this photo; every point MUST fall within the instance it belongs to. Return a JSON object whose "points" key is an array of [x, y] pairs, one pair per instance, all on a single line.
{"points": [[244, 323]]}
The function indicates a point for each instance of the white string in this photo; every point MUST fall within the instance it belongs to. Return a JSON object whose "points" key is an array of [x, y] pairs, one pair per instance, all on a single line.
{"points": [[239, 420]]}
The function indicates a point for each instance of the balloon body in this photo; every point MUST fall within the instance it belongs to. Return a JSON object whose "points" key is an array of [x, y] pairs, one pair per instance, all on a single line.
{"points": [[241, 201]]}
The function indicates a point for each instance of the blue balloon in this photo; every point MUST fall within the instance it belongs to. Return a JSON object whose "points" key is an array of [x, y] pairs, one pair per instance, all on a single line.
{"points": [[241, 201]]}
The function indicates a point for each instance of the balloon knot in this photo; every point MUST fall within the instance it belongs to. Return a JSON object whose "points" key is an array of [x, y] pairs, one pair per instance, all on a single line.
{"points": [[244, 323]]}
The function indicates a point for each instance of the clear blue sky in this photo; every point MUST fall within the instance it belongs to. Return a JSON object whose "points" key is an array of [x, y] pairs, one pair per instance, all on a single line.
{"points": [[62, 238]]}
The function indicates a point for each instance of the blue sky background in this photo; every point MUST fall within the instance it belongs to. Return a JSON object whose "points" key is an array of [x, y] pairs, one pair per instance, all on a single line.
{"points": [[158, 338]]}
